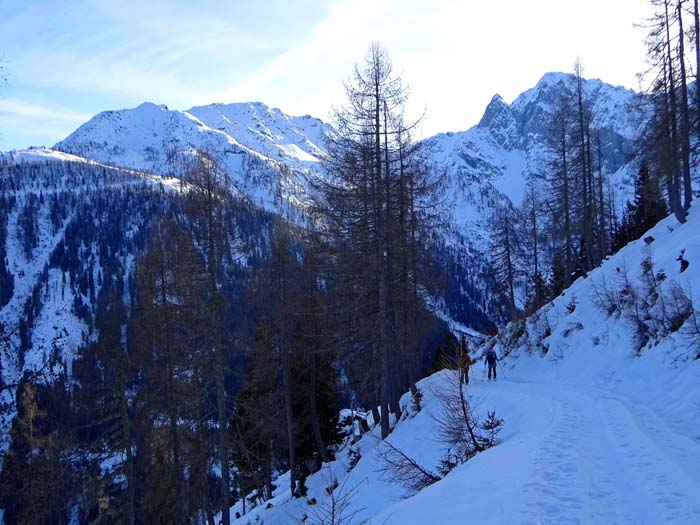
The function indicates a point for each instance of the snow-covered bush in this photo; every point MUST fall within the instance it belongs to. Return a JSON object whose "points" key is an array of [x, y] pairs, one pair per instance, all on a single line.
{"points": [[337, 508], [416, 399]]}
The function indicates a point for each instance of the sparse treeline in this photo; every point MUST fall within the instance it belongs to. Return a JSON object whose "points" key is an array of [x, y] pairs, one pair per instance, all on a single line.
{"points": [[567, 222], [672, 139], [571, 218]]}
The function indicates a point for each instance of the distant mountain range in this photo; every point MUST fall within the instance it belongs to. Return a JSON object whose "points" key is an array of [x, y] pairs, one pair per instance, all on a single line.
{"points": [[269, 154], [50, 195]]}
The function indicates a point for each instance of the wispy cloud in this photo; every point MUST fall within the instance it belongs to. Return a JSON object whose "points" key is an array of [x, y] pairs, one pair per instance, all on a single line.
{"points": [[162, 51], [455, 54], [20, 109]]}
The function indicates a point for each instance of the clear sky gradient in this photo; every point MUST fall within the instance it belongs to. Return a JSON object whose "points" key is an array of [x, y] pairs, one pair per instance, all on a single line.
{"points": [[66, 60]]}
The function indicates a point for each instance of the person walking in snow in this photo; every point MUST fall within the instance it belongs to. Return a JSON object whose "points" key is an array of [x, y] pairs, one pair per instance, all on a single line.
{"points": [[463, 360], [491, 359]]}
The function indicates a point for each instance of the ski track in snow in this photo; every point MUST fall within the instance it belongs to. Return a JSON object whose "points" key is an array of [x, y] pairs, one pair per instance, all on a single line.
{"points": [[606, 460], [571, 453]]}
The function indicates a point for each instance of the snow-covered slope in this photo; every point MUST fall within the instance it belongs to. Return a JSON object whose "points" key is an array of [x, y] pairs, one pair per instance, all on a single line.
{"points": [[266, 153], [297, 141], [488, 165], [46, 199], [597, 428], [71, 229]]}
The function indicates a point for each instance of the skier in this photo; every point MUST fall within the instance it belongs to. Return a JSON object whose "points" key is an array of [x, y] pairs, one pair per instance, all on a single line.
{"points": [[491, 359]]}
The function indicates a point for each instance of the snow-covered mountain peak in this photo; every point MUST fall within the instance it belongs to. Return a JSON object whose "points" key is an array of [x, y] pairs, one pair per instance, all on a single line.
{"points": [[496, 107], [265, 152], [151, 106], [500, 120], [267, 130], [130, 136], [487, 166]]}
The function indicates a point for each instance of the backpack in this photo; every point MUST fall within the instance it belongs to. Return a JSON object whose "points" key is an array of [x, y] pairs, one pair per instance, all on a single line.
{"points": [[491, 356]]}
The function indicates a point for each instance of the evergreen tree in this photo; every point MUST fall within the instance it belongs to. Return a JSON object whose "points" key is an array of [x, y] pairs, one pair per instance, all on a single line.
{"points": [[644, 211], [375, 211]]}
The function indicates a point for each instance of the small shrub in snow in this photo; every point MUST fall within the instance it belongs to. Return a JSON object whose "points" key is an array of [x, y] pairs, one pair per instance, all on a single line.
{"points": [[605, 297], [447, 464], [416, 400], [491, 426], [571, 305], [680, 307], [458, 427], [336, 509], [398, 467], [353, 457]]}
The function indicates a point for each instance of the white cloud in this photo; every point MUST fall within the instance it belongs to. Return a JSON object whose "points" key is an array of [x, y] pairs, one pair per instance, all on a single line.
{"points": [[455, 55], [18, 108]]}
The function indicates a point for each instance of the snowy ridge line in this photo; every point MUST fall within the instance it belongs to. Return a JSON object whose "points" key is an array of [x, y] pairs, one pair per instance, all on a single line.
{"points": [[139, 135], [49, 155]]}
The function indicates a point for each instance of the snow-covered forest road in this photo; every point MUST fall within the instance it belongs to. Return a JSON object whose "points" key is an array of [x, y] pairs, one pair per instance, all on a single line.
{"points": [[580, 445], [570, 454], [597, 457]]}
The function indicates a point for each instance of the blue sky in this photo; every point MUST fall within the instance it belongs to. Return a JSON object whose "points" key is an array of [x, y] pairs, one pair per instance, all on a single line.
{"points": [[66, 60]]}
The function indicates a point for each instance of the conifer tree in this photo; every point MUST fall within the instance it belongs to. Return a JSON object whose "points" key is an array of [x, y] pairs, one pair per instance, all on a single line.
{"points": [[208, 198], [374, 213], [644, 211]]}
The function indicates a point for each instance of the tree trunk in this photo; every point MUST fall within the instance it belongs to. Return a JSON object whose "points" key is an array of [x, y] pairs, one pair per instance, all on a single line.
{"points": [[285, 352], [685, 119], [315, 425], [585, 172], [696, 17], [221, 407], [167, 327], [568, 242], [592, 210], [539, 293], [510, 271], [674, 197], [128, 449], [383, 269], [602, 237]]}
